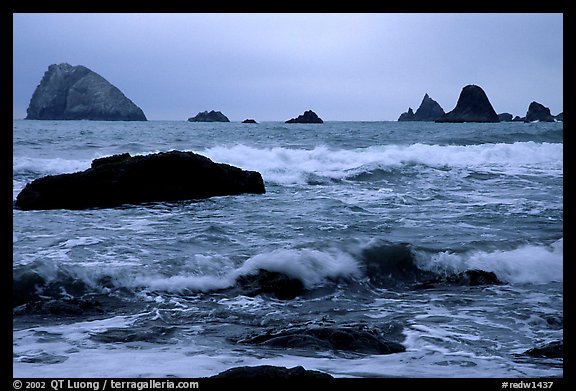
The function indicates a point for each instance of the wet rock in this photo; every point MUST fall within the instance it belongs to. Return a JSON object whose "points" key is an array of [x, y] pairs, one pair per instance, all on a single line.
{"points": [[309, 117], [69, 92], [118, 180], [551, 350], [353, 338], [271, 372], [276, 284], [472, 277]]}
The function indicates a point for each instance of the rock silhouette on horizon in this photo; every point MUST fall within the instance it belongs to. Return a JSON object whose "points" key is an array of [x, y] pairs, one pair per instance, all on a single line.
{"points": [[309, 117], [473, 106], [429, 110], [69, 92], [123, 179], [505, 117], [249, 121], [538, 112], [212, 116]]}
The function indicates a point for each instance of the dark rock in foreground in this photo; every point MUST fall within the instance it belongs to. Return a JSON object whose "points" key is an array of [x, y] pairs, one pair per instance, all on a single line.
{"points": [[123, 179], [271, 372], [275, 284], [538, 112], [356, 338], [249, 121], [551, 350], [212, 116], [472, 106], [69, 92], [429, 110], [472, 277], [505, 117], [309, 117]]}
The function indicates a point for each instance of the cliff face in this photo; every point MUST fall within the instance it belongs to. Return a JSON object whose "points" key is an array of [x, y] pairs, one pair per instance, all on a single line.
{"points": [[69, 92], [472, 106]]}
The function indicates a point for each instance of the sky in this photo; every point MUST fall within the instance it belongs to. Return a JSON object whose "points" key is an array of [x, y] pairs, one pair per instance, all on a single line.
{"points": [[273, 67]]}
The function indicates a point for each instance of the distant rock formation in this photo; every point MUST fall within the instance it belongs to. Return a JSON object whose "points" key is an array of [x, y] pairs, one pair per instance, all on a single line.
{"points": [[429, 110], [505, 117], [309, 117], [472, 106], [249, 121], [123, 179], [271, 372], [212, 116], [538, 112], [407, 115], [69, 92], [559, 117], [519, 119]]}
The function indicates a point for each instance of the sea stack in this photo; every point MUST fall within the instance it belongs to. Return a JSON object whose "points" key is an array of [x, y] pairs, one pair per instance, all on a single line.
{"points": [[538, 112], [429, 110], [472, 106], [212, 116], [69, 92], [309, 117]]}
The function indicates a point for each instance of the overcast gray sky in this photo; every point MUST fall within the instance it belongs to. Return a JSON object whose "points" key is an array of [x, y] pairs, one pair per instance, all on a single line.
{"points": [[272, 67]]}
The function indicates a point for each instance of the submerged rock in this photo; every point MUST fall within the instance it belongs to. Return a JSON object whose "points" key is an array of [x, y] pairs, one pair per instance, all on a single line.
{"points": [[472, 277], [309, 117], [472, 106], [353, 338], [271, 372], [212, 116], [118, 180], [69, 92], [538, 112]]}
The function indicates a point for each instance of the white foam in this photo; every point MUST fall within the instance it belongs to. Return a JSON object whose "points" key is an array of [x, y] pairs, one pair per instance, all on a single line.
{"points": [[525, 264], [287, 166]]}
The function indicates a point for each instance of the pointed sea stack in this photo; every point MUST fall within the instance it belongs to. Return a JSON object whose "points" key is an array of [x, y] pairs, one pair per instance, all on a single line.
{"points": [[429, 110], [472, 106], [69, 92], [309, 117], [212, 116]]}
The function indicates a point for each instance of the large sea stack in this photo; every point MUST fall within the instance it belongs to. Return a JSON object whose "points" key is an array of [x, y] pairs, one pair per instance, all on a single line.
{"points": [[429, 110], [472, 106], [211, 116], [309, 117], [69, 92], [122, 179]]}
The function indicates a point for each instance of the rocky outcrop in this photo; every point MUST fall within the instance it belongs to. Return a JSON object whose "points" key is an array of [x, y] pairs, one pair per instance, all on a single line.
{"points": [[309, 117], [559, 117], [538, 112], [472, 106], [212, 116], [69, 92], [519, 119], [249, 121], [123, 179], [505, 117], [429, 110], [271, 372], [553, 349], [407, 115]]}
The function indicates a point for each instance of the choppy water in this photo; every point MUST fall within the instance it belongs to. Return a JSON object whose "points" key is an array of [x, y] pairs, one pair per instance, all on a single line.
{"points": [[354, 210]]}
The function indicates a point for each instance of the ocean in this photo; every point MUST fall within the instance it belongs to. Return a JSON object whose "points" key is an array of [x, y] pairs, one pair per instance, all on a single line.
{"points": [[376, 220]]}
